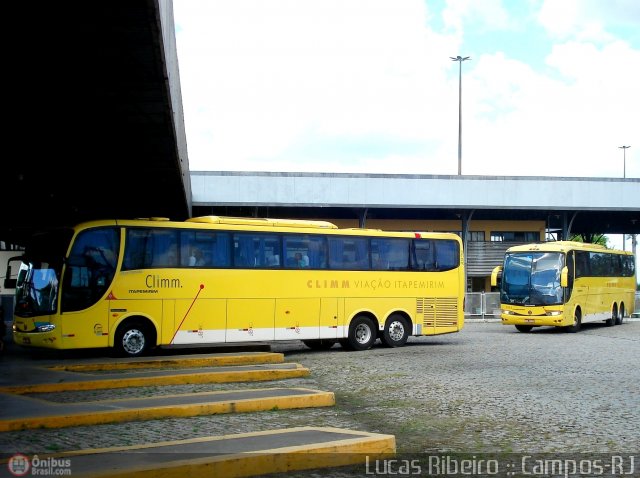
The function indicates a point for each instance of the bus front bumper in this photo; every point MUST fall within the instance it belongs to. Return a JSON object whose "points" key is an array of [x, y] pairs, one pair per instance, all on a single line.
{"points": [[549, 319], [44, 334]]}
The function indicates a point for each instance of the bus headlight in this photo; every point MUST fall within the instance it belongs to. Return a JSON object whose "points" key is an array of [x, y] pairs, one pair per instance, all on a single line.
{"points": [[45, 328], [507, 312], [554, 312]]}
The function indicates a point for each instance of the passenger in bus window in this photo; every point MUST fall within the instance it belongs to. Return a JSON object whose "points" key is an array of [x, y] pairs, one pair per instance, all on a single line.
{"points": [[197, 258], [301, 261], [273, 260]]}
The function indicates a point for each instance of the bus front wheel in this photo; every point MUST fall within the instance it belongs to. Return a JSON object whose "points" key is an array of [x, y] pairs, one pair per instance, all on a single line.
{"points": [[577, 322], [362, 334], [396, 331], [620, 317], [613, 320], [133, 339], [524, 328]]}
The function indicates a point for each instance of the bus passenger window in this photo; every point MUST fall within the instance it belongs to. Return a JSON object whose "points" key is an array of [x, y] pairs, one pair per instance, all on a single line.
{"points": [[423, 255], [254, 250], [447, 255], [348, 253], [390, 254], [197, 258]]}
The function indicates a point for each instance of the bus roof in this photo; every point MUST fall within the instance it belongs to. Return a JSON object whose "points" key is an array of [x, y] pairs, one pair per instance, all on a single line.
{"points": [[255, 224], [563, 246], [265, 222]]}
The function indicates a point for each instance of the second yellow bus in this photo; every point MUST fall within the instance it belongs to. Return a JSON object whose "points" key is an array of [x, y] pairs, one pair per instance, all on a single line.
{"points": [[565, 284]]}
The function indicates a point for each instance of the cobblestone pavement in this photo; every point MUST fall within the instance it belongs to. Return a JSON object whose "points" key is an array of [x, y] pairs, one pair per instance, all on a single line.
{"points": [[486, 389]]}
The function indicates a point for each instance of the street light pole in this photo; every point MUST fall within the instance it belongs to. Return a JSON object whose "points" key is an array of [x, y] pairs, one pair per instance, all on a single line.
{"points": [[460, 59], [624, 159]]}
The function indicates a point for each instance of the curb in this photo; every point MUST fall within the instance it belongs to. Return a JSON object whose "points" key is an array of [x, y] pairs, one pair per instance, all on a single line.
{"points": [[249, 454], [182, 362], [234, 374], [52, 415]]}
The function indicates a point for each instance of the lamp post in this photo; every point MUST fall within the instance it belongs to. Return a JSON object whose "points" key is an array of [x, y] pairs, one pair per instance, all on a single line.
{"points": [[624, 159], [460, 59]]}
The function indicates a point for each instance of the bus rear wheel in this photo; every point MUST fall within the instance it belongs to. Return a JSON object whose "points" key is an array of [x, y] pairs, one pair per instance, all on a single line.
{"points": [[620, 317], [133, 339], [362, 334], [396, 331]]}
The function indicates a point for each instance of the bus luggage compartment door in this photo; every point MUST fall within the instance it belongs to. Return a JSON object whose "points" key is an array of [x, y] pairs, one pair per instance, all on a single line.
{"points": [[297, 319]]}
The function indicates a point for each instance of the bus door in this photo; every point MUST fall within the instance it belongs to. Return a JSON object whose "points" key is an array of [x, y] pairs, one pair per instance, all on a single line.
{"points": [[86, 291], [580, 292], [85, 307], [568, 292]]}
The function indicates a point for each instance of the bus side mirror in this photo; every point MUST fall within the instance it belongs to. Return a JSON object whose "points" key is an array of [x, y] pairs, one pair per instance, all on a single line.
{"points": [[494, 276], [9, 282], [564, 277]]}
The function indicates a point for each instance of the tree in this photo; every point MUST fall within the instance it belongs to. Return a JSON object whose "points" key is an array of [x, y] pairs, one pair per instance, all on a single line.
{"points": [[591, 238]]}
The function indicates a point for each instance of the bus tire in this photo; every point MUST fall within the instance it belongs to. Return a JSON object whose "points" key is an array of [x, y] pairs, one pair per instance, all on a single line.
{"points": [[362, 334], [613, 320], [620, 317], [524, 328], [319, 344], [577, 322], [396, 331], [133, 339]]}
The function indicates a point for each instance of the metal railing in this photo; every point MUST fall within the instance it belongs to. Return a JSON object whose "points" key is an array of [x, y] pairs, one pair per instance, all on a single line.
{"points": [[482, 305], [486, 305]]}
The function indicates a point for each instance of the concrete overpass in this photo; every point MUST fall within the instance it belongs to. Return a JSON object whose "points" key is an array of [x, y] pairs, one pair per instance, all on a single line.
{"points": [[97, 131], [568, 205]]}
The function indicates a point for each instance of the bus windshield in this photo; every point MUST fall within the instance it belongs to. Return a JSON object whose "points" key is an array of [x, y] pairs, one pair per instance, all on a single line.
{"points": [[39, 275], [532, 278]]}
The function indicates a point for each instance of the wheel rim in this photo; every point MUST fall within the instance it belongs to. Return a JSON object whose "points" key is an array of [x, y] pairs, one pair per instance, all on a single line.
{"points": [[396, 330], [133, 341], [362, 334]]}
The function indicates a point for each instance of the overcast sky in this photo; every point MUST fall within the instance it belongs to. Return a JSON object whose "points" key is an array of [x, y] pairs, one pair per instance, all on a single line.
{"points": [[368, 85]]}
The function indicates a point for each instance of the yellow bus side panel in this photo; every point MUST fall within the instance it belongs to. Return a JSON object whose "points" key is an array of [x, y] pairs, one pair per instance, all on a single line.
{"points": [[199, 321], [297, 319], [86, 328], [381, 307], [123, 309], [250, 320], [169, 324]]}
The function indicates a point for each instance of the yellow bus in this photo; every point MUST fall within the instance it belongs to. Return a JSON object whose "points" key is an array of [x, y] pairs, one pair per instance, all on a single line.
{"points": [[136, 284], [565, 284]]}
